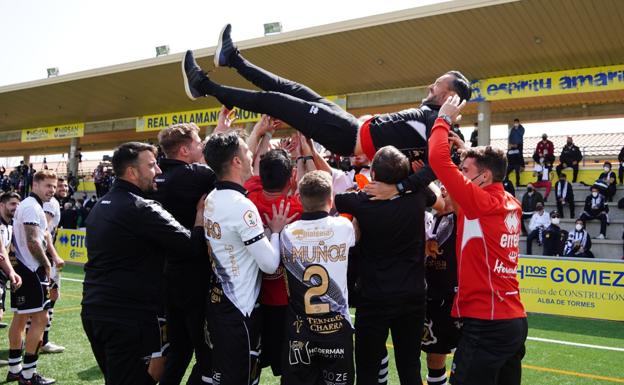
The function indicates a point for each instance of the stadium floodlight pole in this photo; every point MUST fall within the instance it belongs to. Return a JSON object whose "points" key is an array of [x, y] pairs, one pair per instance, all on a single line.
{"points": [[162, 50]]}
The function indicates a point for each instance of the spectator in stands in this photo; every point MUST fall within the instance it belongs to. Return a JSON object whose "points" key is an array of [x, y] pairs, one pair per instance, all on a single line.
{"points": [[530, 199], [515, 161], [474, 136], [457, 131], [516, 135], [596, 208], [542, 174], [2, 171], [579, 242], [608, 177], [82, 213], [508, 186], [621, 168], [564, 195], [544, 152], [69, 216], [539, 222], [554, 237], [6, 184], [570, 157]]}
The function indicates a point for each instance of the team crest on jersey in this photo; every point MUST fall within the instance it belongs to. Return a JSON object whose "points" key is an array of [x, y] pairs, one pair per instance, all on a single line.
{"points": [[250, 218], [512, 222]]}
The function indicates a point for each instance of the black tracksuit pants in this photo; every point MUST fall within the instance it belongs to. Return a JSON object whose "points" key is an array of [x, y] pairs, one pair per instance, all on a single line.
{"points": [[291, 102], [186, 319], [373, 321]]}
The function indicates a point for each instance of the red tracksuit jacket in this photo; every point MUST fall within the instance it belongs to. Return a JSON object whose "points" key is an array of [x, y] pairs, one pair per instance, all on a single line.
{"points": [[488, 234]]}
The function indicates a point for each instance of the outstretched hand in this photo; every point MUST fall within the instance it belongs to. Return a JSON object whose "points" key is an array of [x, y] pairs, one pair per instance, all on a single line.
{"points": [[452, 108], [280, 217]]}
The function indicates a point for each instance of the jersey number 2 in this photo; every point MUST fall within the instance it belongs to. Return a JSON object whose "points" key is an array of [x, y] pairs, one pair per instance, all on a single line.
{"points": [[316, 290]]}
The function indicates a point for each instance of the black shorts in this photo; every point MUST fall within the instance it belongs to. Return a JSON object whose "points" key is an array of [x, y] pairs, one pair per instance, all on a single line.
{"points": [[235, 341], [314, 358], [3, 288], [489, 352], [34, 294], [441, 331]]}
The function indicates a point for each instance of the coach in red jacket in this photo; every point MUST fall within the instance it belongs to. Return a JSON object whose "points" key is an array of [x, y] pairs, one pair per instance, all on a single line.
{"points": [[488, 231]]}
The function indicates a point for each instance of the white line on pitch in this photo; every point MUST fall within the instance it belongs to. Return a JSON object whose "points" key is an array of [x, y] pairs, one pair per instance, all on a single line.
{"points": [[71, 279], [575, 344]]}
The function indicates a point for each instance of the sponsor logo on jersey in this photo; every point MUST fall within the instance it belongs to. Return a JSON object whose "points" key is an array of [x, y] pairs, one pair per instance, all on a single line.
{"points": [[500, 268], [512, 222], [314, 235], [326, 325]]}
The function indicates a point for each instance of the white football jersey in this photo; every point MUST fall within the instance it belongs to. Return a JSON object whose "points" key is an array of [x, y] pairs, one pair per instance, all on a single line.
{"points": [[315, 253], [29, 213], [232, 222]]}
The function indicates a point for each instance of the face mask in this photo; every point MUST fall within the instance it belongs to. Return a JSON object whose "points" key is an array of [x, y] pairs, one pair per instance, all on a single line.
{"points": [[569, 143], [562, 180], [594, 193], [530, 193], [555, 221], [607, 169], [579, 227], [544, 137]]}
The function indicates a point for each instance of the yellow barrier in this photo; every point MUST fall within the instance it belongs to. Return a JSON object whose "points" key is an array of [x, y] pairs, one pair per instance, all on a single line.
{"points": [[572, 287], [70, 245]]}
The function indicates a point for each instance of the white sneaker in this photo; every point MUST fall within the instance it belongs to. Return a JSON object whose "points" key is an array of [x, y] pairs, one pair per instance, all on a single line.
{"points": [[51, 347], [600, 236]]}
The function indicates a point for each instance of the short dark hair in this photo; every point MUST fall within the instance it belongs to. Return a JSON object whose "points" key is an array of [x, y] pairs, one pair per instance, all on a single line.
{"points": [[489, 158], [275, 170], [172, 137], [60, 179], [390, 165], [563, 175], [127, 154], [44, 174], [517, 120], [219, 151], [460, 85], [7, 196], [314, 189]]}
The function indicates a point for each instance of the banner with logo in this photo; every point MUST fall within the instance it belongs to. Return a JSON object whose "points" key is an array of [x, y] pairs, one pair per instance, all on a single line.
{"points": [[207, 117], [63, 131], [572, 287], [607, 78], [70, 245]]}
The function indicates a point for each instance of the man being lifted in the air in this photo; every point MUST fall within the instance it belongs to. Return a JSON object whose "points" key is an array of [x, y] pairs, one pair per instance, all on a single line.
{"points": [[319, 118]]}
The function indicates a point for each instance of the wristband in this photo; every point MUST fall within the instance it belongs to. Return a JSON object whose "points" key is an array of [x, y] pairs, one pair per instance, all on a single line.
{"points": [[269, 135], [447, 119], [305, 158]]}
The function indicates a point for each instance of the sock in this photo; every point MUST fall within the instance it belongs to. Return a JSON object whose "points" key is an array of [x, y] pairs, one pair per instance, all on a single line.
{"points": [[30, 365], [382, 379], [436, 376], [46, 332], [15, 360]]}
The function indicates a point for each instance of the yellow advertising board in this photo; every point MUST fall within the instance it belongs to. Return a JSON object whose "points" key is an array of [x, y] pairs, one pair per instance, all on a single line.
{"points": [[70, 245], [572, 287], [207, 117], [63, 131], [606, 78]]}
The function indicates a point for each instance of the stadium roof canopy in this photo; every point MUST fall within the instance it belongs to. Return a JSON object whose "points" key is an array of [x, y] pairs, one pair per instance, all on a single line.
{"points": [[388, 55]]}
